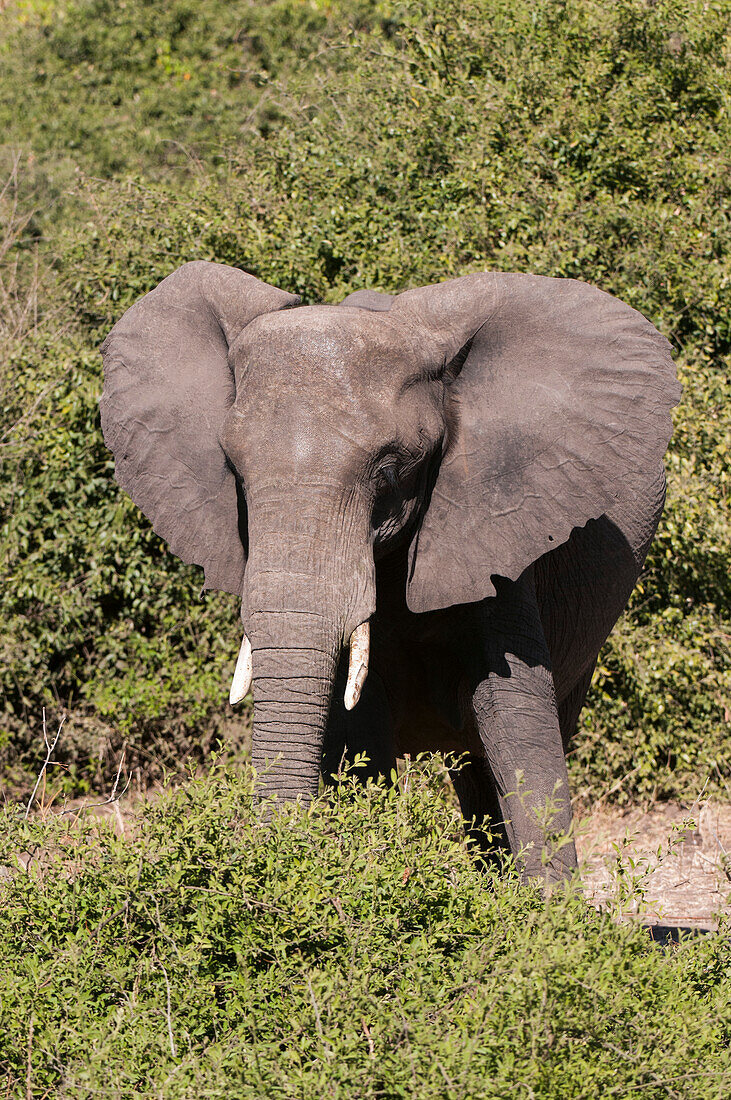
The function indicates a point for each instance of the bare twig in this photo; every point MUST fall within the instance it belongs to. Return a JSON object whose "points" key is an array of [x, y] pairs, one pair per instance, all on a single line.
{"points": [[29, 1066], [113, 798], [717, 839], [318, 1020], [367, 1033], [110, 918], [28, 413], [173, 1048], [195, 160], [50, 746]]}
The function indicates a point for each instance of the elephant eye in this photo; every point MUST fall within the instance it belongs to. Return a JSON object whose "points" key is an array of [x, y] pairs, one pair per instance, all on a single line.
{"points": [[387, 478]]}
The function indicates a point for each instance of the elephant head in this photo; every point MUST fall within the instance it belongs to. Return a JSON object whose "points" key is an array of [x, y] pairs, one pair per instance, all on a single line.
{"points": [[472, 424]]}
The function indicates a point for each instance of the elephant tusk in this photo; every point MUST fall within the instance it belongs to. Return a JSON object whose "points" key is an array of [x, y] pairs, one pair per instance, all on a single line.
{"points": [[360, 644], [243, 674]]}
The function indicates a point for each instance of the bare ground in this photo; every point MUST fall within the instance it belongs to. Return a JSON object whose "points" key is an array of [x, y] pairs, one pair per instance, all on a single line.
{"points": [[679, 859]]}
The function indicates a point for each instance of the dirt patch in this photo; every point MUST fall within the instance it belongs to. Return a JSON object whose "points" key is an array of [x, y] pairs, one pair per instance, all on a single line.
{"points": [[679, 860]]}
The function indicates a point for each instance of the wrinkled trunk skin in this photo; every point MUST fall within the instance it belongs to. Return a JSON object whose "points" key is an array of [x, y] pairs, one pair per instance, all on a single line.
{"points": [[304, 593], [295, 655]]}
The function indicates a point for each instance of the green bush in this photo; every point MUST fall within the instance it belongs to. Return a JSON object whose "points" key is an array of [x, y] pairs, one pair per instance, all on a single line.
{"points": [[351, 949], [384, 145], [144, 87]]}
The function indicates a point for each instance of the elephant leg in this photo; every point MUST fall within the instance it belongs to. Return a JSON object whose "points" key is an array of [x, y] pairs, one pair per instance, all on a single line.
{"points": [[367, 730], [569, 708], [514, 705], [480, 806]]}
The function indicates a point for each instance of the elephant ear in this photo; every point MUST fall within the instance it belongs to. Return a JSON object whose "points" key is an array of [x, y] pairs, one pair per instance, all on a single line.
{"points": [[167, 389], [557, 393]]}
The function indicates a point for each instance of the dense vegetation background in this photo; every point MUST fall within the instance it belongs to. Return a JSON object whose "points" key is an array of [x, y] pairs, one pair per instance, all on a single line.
{"points": [[325, 147]]}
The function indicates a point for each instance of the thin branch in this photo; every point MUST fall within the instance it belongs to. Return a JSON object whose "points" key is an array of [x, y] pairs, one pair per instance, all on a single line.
{"points": [[173, 1048], [369, 1037], [49, 753], [113, 798], [318, 1021], [29, 1067]]}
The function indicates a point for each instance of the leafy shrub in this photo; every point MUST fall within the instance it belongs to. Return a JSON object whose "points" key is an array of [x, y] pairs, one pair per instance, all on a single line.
{"points": [[137, 86], [385, 145], [350, 949]]}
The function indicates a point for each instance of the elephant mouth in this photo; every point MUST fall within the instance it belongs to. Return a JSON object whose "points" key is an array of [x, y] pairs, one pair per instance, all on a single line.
{"points": [[359, 646]]}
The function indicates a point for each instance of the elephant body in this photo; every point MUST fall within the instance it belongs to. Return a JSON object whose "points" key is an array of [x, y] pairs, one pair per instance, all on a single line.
{"points": [[469, 473], [452, 680]]}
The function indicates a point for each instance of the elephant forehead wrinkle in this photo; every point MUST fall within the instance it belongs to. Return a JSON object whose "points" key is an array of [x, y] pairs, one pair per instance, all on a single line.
{"points": [[327, 341], [305, 332], [343, 416]]}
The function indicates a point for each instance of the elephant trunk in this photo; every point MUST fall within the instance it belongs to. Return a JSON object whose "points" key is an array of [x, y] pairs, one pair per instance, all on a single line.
{"points": [[295, 657], [299, 608]]}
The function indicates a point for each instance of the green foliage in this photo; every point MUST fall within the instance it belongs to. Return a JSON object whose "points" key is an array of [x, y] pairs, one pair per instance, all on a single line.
{"points": [[85, 616], [358, 144], [136, 86], [348, 949]]}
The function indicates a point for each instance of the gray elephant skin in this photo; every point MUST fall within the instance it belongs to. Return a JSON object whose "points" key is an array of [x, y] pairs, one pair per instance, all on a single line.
{"points": [[461, 480]]}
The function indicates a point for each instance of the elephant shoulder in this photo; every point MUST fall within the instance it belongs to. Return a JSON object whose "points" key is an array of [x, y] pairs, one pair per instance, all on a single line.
{"points": [[372, 300]]}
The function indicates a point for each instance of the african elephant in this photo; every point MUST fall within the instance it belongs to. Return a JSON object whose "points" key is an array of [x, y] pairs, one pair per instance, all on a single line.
{"points": [[462, 481]]}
